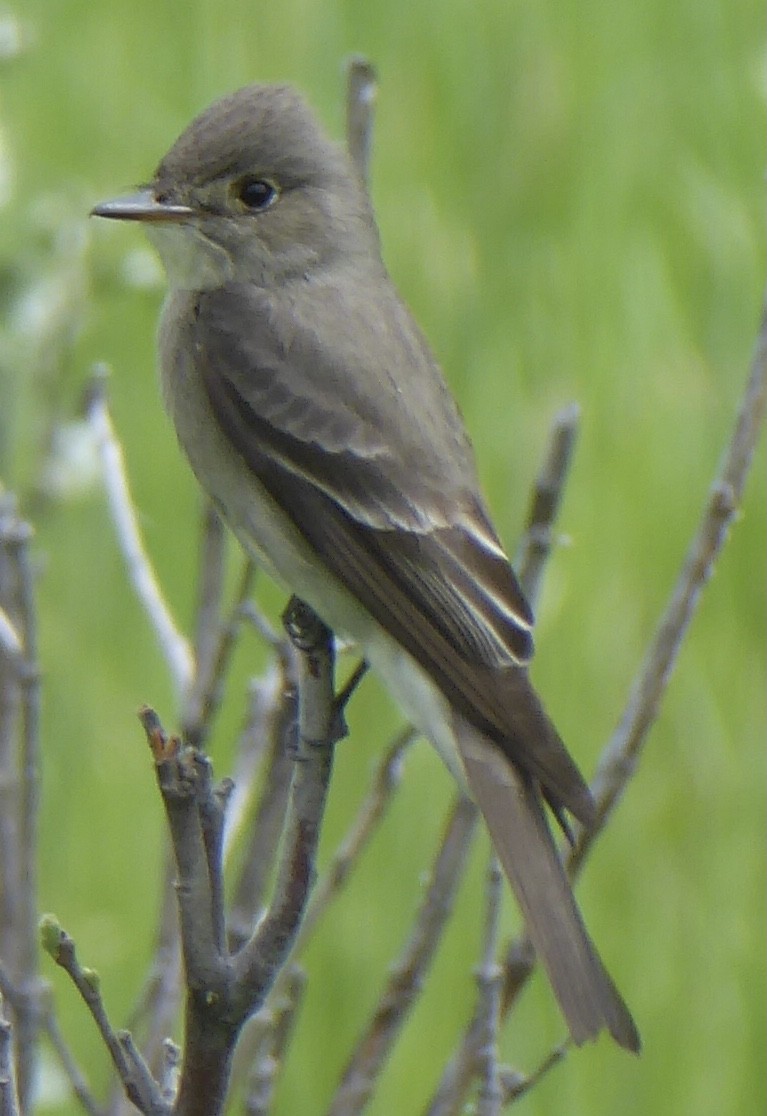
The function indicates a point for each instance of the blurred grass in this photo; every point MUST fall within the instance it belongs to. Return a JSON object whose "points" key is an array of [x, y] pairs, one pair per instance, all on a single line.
{"points": [[571, 200]]}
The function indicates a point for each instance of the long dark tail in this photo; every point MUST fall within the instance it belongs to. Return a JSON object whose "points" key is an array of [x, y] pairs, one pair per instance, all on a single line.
{"points": [[512, 807]]}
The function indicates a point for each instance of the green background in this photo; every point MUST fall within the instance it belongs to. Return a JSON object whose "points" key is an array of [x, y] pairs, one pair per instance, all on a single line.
{"points": [[570, 198]]}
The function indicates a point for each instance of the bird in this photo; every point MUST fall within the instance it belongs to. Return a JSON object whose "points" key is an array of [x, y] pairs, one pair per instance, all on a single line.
{"points": [[314, 414]]}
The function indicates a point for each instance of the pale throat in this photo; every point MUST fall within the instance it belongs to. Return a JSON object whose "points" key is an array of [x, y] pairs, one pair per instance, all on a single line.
{"points": [[192, 261]]}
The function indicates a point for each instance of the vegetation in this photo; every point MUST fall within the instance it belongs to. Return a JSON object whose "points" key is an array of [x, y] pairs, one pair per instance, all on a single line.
{"points": [[571, 200]]}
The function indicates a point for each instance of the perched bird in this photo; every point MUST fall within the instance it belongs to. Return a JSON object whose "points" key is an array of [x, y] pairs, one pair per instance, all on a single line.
{"points": [[314, 414]]}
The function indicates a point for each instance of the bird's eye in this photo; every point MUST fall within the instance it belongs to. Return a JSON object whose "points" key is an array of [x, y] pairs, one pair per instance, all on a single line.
{"points": [[256, 193]]}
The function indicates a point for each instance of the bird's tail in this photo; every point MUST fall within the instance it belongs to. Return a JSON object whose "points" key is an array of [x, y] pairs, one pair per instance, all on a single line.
{"points": [[514, 813]]}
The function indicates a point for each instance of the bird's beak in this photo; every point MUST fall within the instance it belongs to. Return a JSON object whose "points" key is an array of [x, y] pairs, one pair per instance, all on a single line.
{"points": [[144, 205]]}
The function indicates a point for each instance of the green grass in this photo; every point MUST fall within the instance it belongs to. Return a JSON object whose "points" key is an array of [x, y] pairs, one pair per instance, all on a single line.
{"points": [[570, 199]]}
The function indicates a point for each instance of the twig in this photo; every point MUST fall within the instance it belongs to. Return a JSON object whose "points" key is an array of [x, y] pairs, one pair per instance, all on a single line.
{"points": [[545, 500], [268, 1058], [175, 648], [489, 982], [215, 638], [516, 1085], [618, 761], [369, 816], [20, 768], [169, 1071], [407, 974], [210, 590], [265, 701], [10, 640], [72, 1071], [534, 551], [183, 775], [260, 959], [49, 1025], [279, 728], [30, 986], [361, 88], [223, 990], [9, 1100], [619, 758], [130, 1067]]}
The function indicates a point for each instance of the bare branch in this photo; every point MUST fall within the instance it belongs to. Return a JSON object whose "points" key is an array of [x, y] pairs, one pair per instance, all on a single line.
{"points": [[175, 648], [534, 551], [618, 761], [183, 775], [386, 780], [279, 726], [407, 974], [489, 982], [619, 757], [20, 776], [268, 1057], [215, 638], [223, 990], [9, 1100], [260, 959], [72, 1071], [131, 1069], [10, 640], [545, 500], [517, 1085], [210, 584], [361, 89], [169, 1071]]}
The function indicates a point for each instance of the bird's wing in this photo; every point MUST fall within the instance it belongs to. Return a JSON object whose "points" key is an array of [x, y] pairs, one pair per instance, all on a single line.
{"points": [[378, 487]]}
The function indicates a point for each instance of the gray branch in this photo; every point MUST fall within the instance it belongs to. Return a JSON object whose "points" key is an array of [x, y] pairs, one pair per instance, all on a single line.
{"points": [[361, 89], [20, 794], [407, 974]]}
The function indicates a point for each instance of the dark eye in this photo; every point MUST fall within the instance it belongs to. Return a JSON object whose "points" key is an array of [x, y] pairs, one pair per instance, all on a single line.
{"points": [[256, 193]]}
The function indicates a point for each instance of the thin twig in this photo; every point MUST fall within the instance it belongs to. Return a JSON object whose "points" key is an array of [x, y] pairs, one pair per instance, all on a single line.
{"points": [[517, 1085], [371, 812], [534, 551], [170, 1070], [266, 699], [489, 982], [29, 1015], [131, 1069], [267, 825], [9, 1099], [260, 959], [183, 775], [619, 758], [49, 1025], [545, 501], [407, 974], [72, 1071], [215, 637], [268, 1059], [175, 648], [210, 593], [10, 640], [20, 775], [361, 89]]}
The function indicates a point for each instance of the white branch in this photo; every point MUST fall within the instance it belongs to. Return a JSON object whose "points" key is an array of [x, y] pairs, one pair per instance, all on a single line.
{"points": [[175, 647]]}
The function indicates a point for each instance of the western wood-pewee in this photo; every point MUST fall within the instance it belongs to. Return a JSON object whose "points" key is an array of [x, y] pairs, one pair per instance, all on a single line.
{"points": [[314, 414]]}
